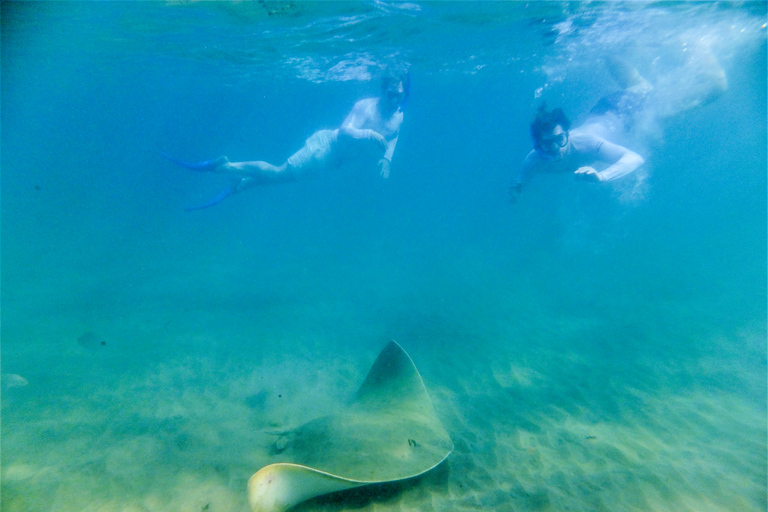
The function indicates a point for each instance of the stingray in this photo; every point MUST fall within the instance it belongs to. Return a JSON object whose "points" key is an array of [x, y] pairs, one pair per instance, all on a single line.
{"points": [[388, 432]]}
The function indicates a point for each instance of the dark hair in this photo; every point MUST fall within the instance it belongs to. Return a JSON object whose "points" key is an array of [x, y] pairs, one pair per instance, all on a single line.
{"points": [[546, 121], [390, 79]]}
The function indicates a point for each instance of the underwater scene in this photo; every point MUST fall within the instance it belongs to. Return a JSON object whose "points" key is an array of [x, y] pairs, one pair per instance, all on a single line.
{"points": [[383, 256]]}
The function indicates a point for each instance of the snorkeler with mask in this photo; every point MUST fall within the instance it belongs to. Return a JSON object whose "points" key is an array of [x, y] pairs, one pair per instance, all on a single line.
{"points": [[592, 145], [368, 134], [557, 148]]}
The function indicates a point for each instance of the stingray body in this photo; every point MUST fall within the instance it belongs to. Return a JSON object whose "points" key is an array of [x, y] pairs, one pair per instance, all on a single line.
{"points": [[389, 432]]}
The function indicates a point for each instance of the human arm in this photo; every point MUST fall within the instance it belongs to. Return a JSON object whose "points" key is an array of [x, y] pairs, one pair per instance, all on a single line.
{"points": [[391, 148], [624, 161], [387, 158], [360, 115], [523, 175]]}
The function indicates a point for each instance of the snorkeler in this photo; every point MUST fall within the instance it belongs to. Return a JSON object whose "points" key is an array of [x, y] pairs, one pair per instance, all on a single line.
{"points": [[558, 148], [369, 133]]}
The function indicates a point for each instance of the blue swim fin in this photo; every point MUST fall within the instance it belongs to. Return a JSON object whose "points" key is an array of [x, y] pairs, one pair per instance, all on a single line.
{"points": [[213, 202], [208, 165]]}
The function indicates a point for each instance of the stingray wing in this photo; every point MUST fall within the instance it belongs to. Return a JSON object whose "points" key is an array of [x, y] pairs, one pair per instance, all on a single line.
{"points": [[389, 432]]}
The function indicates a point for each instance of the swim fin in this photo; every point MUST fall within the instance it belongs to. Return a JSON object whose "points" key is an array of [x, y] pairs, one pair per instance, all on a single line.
{"points": [[209, 165], [214, 201]]}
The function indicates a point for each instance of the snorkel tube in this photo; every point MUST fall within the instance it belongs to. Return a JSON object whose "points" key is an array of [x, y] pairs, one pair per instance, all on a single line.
{"points": [[406, 88]]}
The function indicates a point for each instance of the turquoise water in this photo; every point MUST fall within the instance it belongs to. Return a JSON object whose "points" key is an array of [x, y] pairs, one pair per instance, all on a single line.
{"points": [[590, 347]]}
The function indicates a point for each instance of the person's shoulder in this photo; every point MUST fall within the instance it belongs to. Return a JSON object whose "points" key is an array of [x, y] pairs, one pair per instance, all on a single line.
{"points": [[365, 107], [367, 103], [584, 140], [580, 133]]}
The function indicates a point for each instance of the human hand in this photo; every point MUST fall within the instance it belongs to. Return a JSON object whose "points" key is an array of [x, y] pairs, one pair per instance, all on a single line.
{"points": [[587, 173], [384, 168], [379, 139]]}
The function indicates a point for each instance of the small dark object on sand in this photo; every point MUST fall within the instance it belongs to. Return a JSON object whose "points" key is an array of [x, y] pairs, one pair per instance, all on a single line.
{"points": [[90, 341]]}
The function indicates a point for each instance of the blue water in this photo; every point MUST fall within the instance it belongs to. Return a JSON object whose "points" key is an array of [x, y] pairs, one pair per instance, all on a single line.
{"points": [[590, 347]]}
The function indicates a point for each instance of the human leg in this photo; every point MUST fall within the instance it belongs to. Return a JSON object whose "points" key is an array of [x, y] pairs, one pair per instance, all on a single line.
{"points": [[697, 80], [319, 152], [315, 154], [256, 170], [253, 169], [710, 74], [627, 75], [205, 166]]}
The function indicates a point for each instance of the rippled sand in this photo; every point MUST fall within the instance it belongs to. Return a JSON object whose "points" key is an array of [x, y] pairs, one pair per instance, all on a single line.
{"points": [[535, 429]]}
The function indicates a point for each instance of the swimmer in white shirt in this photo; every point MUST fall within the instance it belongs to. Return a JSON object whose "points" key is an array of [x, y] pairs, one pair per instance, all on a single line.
{"points": [[557, 148], [369, 133]]}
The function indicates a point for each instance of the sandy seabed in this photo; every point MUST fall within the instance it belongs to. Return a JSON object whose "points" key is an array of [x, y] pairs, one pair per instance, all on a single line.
{"points": [[165, 415]]}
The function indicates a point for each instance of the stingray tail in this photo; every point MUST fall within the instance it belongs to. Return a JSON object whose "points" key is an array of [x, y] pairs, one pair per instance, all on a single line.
{"points": [[208, 165]]}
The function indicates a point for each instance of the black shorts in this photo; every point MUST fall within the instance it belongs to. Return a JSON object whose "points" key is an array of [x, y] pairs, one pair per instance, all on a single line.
{"points": [[625, 104]]}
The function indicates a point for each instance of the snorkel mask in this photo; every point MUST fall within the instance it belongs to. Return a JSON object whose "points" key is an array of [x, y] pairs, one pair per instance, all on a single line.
{"points": [[549, 147]]}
